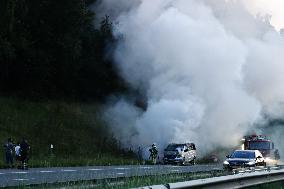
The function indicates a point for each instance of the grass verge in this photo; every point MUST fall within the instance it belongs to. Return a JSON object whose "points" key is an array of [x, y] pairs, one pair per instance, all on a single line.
{"points": [[77, 131]]}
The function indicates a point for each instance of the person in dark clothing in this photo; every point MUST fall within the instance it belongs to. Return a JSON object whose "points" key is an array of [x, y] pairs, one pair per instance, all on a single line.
{"points": [[9, 148], [153, 153], [24, 153], [276, 154]]}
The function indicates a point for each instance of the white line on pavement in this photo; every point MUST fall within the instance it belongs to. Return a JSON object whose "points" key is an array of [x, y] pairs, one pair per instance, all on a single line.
{"points": [[68, 170], [21, 179], [19, 172], [94, 169], [121, 168], [120, 173], [47, 171]]}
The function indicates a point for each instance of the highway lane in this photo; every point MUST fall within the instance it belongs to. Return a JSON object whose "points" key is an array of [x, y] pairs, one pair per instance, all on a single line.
{"points": [[15, 177]]}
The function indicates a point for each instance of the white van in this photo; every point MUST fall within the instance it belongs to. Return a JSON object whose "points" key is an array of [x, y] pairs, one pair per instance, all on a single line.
{"points": [[180, 154]]}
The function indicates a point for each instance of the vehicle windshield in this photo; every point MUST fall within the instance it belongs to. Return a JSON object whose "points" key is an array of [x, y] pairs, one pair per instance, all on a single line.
{"points": [[243, 154], [173, 147], [259, 145]]}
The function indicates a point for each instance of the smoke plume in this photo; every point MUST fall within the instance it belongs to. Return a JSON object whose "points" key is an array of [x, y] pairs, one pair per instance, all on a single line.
{"points": [[209, 71]]}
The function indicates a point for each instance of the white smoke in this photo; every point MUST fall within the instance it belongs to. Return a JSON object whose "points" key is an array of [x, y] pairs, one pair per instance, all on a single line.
{"points": [[272, 9], [208, 68]]}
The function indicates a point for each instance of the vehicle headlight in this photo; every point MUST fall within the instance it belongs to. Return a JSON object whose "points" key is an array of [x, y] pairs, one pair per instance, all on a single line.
{"points": [[250, 163], [226, 163]]}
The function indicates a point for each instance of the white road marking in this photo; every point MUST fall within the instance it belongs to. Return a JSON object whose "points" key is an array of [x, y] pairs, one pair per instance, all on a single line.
{"points": [[175, 170], [68, 170], [121, 168], [47, 171], [174, 166], [2, 173], [19, 172], [120, 173], [21, 179], [94, 169]]}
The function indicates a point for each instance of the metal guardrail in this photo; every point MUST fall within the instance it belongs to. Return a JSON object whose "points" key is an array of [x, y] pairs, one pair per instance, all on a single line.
{"points": [[243, 179]]}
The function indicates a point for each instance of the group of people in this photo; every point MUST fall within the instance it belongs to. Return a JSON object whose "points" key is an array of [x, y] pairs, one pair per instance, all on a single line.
{"points": [[19, 152]]}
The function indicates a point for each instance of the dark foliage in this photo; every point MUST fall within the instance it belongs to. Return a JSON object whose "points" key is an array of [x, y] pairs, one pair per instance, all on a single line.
{"points": [[51, 49]]}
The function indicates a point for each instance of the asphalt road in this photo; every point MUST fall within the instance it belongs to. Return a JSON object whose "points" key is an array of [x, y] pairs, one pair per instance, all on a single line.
{"points": [[15, 177]]}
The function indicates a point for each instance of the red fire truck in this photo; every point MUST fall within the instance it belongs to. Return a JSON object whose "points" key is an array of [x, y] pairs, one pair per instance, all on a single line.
{"points": [[261, 143]]}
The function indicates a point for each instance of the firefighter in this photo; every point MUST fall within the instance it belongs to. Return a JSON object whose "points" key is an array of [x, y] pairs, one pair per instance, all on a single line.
{"points": [[276, 154], [153, 153]]}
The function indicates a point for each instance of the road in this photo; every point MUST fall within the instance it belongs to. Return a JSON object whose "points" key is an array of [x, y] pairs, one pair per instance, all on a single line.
{"points": [[15, 177]]}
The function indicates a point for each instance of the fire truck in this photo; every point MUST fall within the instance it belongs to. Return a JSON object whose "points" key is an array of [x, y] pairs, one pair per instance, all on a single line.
{"points": [[261, 143]]}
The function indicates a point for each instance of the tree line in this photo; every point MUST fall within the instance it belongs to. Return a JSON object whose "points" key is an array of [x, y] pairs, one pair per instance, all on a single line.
{"points": [[51, 49]]}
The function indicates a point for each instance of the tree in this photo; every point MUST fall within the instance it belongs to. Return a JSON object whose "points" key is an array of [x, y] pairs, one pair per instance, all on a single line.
{"points": [[51, 49]]}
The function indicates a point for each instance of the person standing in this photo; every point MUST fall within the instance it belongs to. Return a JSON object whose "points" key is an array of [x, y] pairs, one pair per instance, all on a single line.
{"points": [[24, 153], [153, 153], [9, 148], [18, 154], [276, 154]]}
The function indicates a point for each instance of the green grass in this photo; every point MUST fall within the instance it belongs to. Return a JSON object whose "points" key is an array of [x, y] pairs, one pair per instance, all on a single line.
{"points": [[103, 159], [79, 135], [121, 183]]}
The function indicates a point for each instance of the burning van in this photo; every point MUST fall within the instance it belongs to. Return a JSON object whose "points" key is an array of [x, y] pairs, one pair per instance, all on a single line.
{"points": [[180, 153]]}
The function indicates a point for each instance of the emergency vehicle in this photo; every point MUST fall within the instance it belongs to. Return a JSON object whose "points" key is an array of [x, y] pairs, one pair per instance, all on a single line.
{"points": [[261, 143]]}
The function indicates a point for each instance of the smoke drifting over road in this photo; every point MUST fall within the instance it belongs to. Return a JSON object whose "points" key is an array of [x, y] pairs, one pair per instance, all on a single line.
{"points": [[209, 71]]}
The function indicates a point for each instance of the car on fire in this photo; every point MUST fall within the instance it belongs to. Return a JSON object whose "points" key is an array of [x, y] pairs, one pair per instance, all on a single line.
{"points": [[180, 154], [244, 158]]}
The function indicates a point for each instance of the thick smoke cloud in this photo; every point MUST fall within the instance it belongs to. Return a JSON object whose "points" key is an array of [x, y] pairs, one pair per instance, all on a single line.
{"points": [[209, 71], [271, 8]]}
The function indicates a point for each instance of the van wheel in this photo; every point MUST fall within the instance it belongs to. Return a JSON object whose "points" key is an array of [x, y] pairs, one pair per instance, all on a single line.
{"points": [[183, 162], [193, 161]]}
